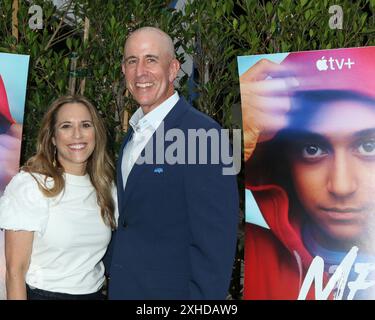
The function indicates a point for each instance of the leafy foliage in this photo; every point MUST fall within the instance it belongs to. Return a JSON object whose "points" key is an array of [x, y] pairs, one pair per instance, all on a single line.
{"points": [[98, 60]]}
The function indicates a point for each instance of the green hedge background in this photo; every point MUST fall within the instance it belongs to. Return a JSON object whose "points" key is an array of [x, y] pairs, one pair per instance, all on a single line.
{"points": [[213, 32]]}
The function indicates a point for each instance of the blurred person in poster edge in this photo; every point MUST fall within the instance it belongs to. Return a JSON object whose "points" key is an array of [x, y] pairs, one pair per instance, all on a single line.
{"points": [[10, 140], [10, 148]]}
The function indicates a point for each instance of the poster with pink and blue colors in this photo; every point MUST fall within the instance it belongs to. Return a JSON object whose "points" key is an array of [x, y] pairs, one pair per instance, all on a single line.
{"points": [[309, 145], [13, 79]]}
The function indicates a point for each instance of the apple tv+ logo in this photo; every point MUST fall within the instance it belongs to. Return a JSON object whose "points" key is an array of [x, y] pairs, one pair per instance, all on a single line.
{"points": [[334, 64]]}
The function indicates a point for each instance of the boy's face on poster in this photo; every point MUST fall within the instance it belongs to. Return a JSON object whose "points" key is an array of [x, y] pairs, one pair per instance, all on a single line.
{"points": [[333, 170]]}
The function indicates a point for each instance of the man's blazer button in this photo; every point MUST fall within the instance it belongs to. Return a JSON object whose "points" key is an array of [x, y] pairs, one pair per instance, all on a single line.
{"points": [[125, 224]]}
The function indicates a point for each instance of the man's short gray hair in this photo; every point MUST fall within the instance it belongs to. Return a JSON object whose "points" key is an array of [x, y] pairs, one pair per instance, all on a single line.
{"points": [[168, 40]]}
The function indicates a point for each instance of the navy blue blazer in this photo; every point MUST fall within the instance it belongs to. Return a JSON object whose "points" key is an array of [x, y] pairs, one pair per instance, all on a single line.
{"points": [[177, 229]]}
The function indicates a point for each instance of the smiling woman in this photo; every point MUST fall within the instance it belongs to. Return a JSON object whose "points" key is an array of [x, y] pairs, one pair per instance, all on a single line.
{"points": [[74, 137], [58, 212]]}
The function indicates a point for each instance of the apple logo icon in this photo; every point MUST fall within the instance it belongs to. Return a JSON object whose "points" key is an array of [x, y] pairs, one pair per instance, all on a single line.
{"points": [[322, 64]]}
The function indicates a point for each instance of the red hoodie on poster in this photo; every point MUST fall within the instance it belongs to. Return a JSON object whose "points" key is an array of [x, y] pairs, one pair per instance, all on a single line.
{"points": [[4, 104], [309, 137]]}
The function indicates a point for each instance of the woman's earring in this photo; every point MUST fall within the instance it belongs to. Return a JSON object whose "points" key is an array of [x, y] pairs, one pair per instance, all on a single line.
{"points": [[54, 157]]}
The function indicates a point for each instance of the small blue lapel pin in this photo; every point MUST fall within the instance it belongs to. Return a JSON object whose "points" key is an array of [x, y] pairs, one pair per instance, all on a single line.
{"points": [[158, 170]]}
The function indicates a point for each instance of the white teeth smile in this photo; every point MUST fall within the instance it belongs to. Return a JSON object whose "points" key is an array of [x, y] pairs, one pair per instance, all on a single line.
{"points": [[143, 85], [77, 146]]}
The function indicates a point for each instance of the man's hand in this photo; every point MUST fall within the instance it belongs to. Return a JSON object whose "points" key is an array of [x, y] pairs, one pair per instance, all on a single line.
{"points": [[10, 146], [265, 102]]}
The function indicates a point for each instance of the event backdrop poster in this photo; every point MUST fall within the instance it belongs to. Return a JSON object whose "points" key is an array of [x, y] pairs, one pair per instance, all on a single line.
{"points": [[13, 79], [309, 138]]}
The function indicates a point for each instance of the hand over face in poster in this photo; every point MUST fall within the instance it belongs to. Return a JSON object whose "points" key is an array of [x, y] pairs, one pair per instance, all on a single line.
{"points": [[265, 102], [309, 123], [10, 145]]}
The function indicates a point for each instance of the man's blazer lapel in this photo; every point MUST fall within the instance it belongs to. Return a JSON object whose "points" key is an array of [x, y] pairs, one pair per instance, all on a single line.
{"points": [[171, 120], [120, 183]]}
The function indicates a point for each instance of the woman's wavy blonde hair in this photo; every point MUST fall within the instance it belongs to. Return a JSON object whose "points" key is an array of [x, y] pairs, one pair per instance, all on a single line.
{"points": [[99, 165]]}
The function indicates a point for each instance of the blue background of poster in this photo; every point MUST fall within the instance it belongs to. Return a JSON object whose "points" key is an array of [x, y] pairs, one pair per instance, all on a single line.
{"points": [[245, 62], [14, 69]]}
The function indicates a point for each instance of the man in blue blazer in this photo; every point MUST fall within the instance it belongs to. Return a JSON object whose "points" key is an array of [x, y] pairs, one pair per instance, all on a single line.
{"points": [[177, 228]]}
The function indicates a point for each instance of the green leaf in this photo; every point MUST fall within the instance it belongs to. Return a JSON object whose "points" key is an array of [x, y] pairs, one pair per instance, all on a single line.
{"points": [[235, 24], [66, 62], [112, 22], [60, 84], [273, 27], [269, 8], [243, 28], [307, 14], [364, 31], [285, 47], [69, 43], [363, 19]]}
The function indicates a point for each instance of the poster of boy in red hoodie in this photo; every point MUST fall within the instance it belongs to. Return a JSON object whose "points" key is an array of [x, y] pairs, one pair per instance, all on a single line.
{"points": [[309, 137], [13, 79]]}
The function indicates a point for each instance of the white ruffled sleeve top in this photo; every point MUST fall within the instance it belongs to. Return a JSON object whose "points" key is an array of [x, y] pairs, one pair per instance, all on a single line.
{"points": [[70, 237]]}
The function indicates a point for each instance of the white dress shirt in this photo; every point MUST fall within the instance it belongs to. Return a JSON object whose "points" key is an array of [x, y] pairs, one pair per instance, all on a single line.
{"points": [[144, 127]]}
